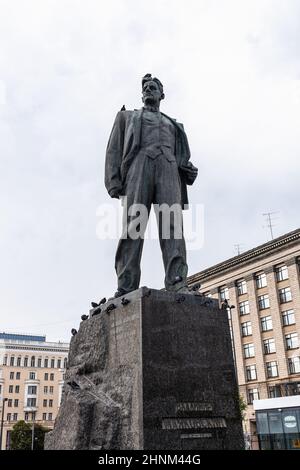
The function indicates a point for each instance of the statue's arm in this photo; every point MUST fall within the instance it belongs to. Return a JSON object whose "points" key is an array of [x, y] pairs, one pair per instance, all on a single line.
{"points": [[113, 158], [188, 171]]}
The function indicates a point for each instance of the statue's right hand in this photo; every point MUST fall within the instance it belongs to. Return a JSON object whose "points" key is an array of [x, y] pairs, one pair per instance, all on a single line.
{"points": [[114, 193]]}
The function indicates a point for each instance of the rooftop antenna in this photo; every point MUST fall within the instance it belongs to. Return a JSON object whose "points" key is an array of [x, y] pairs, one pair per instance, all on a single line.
{"points": [[238, 248], [269, 220]]}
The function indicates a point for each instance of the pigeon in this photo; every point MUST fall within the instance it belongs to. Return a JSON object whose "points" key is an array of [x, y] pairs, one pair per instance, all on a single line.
{"points": [[125, 301], [96, 311], [74, 332], [73, 384], [102, 301], [123, 108], [84, 317], [110, 308], [94, 304]]}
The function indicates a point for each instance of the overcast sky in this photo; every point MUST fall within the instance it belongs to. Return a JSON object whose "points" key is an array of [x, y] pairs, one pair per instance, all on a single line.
{"points": [[231, 72]]}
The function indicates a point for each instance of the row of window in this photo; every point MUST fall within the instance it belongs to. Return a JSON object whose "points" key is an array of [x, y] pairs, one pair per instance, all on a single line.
{"points": [[261, 279], [272, 368], [32, 389], [266, 323], [285, 296], [32, 402], [274, 391], [28, 416], [291, 341], [47, 376], [17, 361]]}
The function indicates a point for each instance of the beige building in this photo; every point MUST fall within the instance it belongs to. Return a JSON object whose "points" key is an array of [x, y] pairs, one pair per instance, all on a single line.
{"points": [[31, 380], [263, 286]]}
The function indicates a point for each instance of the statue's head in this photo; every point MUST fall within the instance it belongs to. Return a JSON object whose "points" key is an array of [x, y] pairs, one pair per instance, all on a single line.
{"points": [[152, 90]]}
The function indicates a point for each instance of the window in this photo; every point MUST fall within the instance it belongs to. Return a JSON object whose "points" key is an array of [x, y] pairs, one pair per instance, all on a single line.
{"points": [[8, 416], [251, 372], [50, 416], [249, 350], [51, 403], [44, 416], [16, 403], [282, 273], [274, 391], [58, 363], [32, 390], [291, 341], [46, 363], [246, 328], [52, 363], [44, 403], [266, 323], [5, 361], [32, 375], [294, 365], [9, 402], [32, 362], [39, 364], [269, 346], [26, 416], [45, 390], [18, 375], [11, 389], [244, 307], [288, 317], [51, 376], [241, 287], [17, 389], [65, 363], [11, 375], [272, 369], [51, 389], [224, 293], [263, 302], [19, 361], [26, 362], [252, 395], [285, 295], [15, 418], [46, 376], [261, 280], [12, 361], [31, 401]]}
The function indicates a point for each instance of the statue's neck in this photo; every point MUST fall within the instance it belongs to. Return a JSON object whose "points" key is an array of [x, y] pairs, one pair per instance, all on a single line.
{"points": [[154, 109]]}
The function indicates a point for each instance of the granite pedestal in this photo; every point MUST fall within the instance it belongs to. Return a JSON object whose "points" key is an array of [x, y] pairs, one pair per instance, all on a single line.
{"points": [[157, 373]]}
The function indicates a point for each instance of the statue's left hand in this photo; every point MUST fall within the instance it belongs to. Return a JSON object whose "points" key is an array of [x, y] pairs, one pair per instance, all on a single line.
{"points": [[190, 172]]}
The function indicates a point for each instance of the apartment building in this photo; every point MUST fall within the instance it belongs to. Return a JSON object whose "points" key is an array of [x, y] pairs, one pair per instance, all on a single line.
{"points": [[263, 292], [31, 380]]}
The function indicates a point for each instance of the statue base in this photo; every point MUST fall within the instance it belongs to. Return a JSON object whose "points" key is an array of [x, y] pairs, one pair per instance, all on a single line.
{"points": [[156, 373]]}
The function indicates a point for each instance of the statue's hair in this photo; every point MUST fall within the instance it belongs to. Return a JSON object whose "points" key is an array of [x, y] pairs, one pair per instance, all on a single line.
{"points": [[148, 78]]}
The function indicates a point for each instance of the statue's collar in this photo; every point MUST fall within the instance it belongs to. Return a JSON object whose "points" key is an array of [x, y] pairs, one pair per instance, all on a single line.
{"points": [[152, 109]]}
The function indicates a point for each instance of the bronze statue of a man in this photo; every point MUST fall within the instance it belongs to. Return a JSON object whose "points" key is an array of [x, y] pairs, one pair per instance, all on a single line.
{"points": [[147, 161]]}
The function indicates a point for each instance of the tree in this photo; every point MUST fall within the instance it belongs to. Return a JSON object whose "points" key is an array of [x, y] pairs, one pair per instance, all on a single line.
{"points": [[21, 436], [242, 406]]}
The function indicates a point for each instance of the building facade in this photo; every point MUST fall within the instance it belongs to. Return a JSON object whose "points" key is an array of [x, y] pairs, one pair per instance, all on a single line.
{"points": [[31, 380], [262, 287]]}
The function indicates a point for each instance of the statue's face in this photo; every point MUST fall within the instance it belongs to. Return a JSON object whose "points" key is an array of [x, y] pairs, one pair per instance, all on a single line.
{"points": [[151, 93]]}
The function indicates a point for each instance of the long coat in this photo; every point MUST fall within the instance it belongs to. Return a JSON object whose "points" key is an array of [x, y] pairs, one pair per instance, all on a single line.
{"points": [[124, 145]]}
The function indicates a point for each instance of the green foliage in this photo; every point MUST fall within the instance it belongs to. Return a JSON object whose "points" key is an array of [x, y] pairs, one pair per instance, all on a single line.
{"points": [[21, 436], [242, 406]]}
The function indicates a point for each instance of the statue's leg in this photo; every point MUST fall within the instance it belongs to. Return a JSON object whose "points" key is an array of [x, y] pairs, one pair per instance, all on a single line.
{"points": [[169, 217], [137, 204]]}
